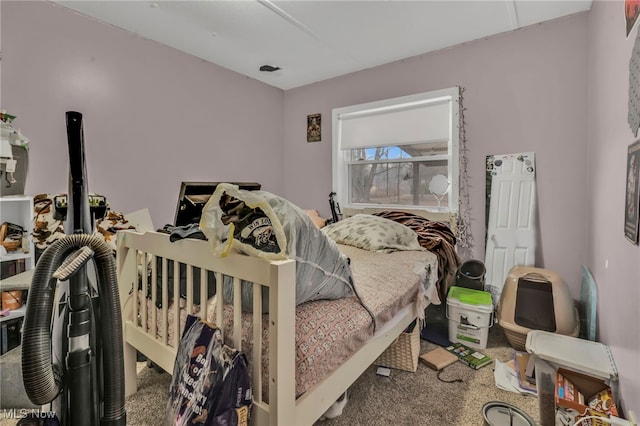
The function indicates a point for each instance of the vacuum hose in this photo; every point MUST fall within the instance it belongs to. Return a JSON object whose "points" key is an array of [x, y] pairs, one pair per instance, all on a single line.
{"points": [[41, 382]]}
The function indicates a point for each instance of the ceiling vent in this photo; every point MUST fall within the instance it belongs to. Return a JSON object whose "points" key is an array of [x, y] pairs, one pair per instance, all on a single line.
{"points": [[269, 68]]}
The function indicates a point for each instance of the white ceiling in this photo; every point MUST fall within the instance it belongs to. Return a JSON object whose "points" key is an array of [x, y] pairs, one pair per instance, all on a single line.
{"points": [[315, 40]]}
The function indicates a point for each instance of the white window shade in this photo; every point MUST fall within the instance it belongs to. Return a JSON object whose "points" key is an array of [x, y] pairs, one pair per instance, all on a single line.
{"points": [[423, 122]]}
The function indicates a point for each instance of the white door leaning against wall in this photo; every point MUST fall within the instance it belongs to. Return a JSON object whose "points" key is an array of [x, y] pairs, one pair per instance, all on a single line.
{"points": [[511, 217]]}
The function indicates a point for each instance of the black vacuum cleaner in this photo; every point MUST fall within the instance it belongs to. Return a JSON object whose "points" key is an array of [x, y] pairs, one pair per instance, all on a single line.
{"points": [[72, 348]]}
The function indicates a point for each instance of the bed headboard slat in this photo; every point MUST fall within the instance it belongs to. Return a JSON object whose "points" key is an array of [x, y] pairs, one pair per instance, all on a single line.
{"points": [[154, 286], [257, 343], [219, 302], [134, 291], [176, 306], [203, 294], [189, 278], [165, 300], [237, 314]]}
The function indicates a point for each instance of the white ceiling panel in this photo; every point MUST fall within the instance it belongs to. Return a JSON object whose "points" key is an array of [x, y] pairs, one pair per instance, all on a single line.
{"points": [[315, 40], [377, 32]]}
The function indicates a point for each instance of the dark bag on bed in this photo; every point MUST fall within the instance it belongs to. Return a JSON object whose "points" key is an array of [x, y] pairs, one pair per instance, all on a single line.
{"points": [[210, 384]]}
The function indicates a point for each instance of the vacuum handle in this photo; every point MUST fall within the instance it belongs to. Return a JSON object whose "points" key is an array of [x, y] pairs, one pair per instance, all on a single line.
{"points": [[78, 212], [76, 147]]}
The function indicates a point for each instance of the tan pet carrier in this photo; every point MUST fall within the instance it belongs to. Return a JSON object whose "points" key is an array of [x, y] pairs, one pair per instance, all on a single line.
{"points": [[535, 299]]}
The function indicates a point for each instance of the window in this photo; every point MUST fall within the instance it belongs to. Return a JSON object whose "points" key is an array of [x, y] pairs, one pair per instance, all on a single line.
{"points": [[400, 152]]}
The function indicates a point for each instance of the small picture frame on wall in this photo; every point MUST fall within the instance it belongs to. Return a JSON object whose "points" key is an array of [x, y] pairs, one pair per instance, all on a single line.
{"points": [[632, 199], [314, 128], [631, 13]]}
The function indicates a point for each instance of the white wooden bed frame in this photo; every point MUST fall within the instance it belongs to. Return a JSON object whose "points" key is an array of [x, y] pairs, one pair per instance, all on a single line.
{"points": [[133, 250]]}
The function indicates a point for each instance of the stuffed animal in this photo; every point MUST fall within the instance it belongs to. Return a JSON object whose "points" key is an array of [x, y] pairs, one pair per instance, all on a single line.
{"points": [[336, 408]]}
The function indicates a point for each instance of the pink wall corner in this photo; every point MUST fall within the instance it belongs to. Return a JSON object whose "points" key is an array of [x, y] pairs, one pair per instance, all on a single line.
{"points": [[153, 116]]}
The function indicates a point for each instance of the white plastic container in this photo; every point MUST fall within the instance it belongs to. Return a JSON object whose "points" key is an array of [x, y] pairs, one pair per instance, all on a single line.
{"points": [[552, 351], [470, 314]]}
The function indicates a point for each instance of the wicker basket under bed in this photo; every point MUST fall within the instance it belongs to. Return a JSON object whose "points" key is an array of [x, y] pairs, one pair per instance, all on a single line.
{"points": [[403, 353]]}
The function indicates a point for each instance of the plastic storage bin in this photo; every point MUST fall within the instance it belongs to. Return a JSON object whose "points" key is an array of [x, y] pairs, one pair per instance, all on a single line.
{"points": [[552, 351], [470, 314]]}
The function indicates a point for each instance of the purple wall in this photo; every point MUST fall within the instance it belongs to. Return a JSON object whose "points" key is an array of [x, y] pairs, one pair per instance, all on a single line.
{"points": [[558, 89], [153, 116], [614, 261], [524, 91]]}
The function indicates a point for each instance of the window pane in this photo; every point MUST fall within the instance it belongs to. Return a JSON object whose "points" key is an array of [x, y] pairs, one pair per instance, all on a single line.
{"points": [[404, 183], [378, 163], [398, 152]]}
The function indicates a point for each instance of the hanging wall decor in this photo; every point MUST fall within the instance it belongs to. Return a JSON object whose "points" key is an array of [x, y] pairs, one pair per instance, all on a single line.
{"points": [[633, 116], [632, 199], [463, 218], [14, 155], [314, 128], [631, 13]]}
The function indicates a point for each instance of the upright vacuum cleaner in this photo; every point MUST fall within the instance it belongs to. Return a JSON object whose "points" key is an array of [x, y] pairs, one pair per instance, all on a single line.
{"points": [[72, 348]]}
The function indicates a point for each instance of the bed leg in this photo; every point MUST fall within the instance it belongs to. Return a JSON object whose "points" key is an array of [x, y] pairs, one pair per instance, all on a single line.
{"points": [[130, 370], [282, 345]]}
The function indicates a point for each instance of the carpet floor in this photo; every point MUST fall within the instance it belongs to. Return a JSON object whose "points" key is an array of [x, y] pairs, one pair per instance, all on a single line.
{"points": [[403, 398]]}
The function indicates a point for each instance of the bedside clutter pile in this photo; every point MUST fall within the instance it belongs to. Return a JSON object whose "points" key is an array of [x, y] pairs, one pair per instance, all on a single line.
{"points": [[470, 315], [572, 380], [575, 379], [464, 327]]}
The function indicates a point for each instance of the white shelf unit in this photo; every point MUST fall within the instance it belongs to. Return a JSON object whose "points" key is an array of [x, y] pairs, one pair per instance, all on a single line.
{"points": [[18, 209]]}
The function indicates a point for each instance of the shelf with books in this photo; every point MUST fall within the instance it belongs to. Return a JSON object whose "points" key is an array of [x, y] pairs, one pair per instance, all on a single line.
{"points": [[17, 210]]}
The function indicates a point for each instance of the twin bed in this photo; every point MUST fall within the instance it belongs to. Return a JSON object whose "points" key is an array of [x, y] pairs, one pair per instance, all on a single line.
{"points": [[302, 356]]}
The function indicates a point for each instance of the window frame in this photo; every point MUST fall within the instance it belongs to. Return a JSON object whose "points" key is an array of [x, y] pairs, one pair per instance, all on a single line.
{"points": [[341, 160]]}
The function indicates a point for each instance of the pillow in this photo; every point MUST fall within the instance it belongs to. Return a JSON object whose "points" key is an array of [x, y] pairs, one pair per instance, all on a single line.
{"points": [[373, 233]]}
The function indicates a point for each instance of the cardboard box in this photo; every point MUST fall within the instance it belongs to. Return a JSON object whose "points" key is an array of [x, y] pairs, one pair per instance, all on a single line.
{"points": [[12, 299], [586, 395], [565, 389], [438, 358]]}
